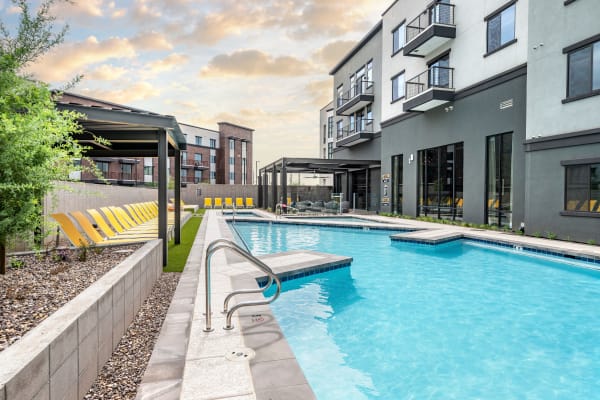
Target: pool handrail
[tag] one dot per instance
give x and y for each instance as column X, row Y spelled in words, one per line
column 228, row 244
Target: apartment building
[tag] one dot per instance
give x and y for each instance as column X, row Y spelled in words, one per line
column 234, row 163
column 562, row 150
column 489, row 113
column 356, row 119
column 326, row 138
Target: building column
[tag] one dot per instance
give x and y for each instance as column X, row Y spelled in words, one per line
column 177, row 168
column 163, row 158
column 259, row 201
column 367, row 188
column 283, row 179
column 274, row 187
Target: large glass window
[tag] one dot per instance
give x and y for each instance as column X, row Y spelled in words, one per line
column 398, row 36
column 398, row 87
column 340, row 128
column 441, row 182
column 330, row 127
column 213, row 143
column 501, row 28
column 584, row 70
column 340, row 95
column 199, row 140
column 126, row 172
column 231, row 144
column 197, row 176
column 583, row 188
column 370, row 73
column 397, row 188
column 439, row 72
column 103, row 167
column 499, row 180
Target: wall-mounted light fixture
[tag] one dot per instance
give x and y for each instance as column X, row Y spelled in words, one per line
column 449, row 108
column 411, row 158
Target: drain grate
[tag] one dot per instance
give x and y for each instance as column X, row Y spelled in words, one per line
column 241, row 354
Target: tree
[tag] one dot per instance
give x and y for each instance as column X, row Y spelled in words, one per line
column 37, row 144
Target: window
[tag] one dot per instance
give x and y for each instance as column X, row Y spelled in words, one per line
column 213, row 143
column 398, row 36
column 199, row 140
column 370, row 73
column 103, row 167
column 184, row 158
column 501, row 28
column 148, row 170
column 213, row 175
column 340, row 95
column 126, row 172
column 197, row 176
column 398, row 87
column 397, row 187
column 330, row 150
column 351, row 125
column 584, row 70
column 439, row 72
column 231, row 144
column 197, row 157
column 339, row 128
column 231, row 160
column 583, row 187
column 231, row 178
column 330, row 127
column 213, row 159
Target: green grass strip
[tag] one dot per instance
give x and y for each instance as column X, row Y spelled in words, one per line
column 178, row 254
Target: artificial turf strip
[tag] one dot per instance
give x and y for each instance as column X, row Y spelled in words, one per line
column 178, row 255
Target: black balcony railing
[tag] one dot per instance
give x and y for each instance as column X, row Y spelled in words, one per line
column 439, row 13
column 357, row 89
column 201, row 164
column 361, row 125
column 434, row 77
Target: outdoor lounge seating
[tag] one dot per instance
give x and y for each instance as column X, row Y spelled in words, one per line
column 239, row 202
column 228, row 202
column 208, row 202
column 218, row 202
column 249, row 202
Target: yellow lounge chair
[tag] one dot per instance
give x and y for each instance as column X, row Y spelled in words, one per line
column 218, row 202
column 133, row 214
column 77, row 239
column 239, row 202
column 289, row 201
column 93, row 234
column 208, row 202
column 249, row 202
column 228, row 202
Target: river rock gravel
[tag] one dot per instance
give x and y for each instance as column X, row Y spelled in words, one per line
column 123, row 372
column 36, row 285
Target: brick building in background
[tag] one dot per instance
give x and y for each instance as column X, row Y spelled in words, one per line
column 221, row 156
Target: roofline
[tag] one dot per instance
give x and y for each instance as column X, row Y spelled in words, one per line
column 390, row 7
column 328, row 106
column 358, row 46
column 106, row 102
column 196, row 126
column 237, row 126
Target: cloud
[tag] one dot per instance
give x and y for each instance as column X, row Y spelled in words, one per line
column 333, row 52
column 64, row 62
column 106, row 72
column 254, row 63
column 151, row 41
column 319, row 92
column 75, row 8
column 169, row 63
column 125, row 95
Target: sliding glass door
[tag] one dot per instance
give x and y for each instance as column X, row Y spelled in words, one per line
column 397, row 170
column 499, row 180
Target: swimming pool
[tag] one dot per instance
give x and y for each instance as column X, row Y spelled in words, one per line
column 330, row 219
column 459, row 320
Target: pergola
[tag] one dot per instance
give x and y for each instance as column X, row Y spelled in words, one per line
column 295, row 165
column 136, row 133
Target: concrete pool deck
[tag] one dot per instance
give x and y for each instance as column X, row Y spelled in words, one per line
column 254, row 361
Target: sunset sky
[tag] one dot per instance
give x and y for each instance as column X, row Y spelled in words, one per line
column 261, row 64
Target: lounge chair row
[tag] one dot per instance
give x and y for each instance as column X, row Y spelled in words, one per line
column 218, row 202
column 111, row 225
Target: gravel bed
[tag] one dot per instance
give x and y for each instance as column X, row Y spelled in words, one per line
column 121, row 375
column 35, row 286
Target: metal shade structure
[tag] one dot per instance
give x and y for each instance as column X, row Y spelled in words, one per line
column 136, row 133
column 295, row 165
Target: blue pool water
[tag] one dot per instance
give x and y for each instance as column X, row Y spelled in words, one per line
column 459, row 320
column 331, row 219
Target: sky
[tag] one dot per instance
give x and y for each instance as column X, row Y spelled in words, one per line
column 263, row 64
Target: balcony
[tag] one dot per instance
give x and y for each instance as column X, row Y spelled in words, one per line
column 429, row 89
column 358, row 97
column 361, row 132
column 201, row 165
column 186, row 163
column 430, row 30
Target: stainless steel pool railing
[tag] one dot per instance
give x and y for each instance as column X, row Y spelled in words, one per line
column 271, row 277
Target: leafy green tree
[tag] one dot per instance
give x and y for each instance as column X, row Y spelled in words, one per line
column 37, row 144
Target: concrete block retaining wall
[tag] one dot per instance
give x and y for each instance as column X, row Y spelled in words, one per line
column 61, row 357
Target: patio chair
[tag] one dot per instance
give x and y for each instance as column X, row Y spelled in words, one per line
column 249, row 202
column 93, row 234
column 239, row 202
column 218, row 202
column 228, row 202
column 208, row 202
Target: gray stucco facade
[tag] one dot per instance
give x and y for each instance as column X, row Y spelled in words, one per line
column 472, row 119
